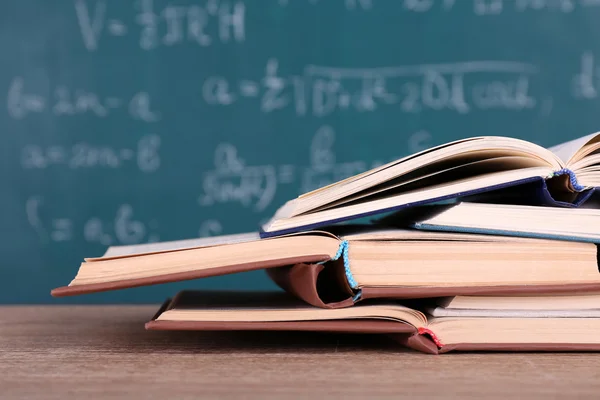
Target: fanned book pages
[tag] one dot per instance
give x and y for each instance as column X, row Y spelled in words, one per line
column 567, row 174
column 360, row 262
column 562, row 326
column 506, row 219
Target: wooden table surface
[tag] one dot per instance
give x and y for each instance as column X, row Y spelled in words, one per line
column 104, row 352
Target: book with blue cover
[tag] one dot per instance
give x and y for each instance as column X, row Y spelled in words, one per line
column 564, row 175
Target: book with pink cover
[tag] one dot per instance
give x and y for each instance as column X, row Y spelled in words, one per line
column 359, row 263
column 547, row 323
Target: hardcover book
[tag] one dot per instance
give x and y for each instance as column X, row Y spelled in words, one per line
column 358, row 263
column 579, row 224
column 544, row 323
column 564, row 175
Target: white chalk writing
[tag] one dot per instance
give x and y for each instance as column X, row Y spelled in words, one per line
column 477, row 7
column 323, row 168
column 497, row 7
column 234, row 181
column 64, row 101
column 348, row 4
column 321, row 91
column 586, row 82
column 215, row 21
column 421, row 6
column 419, row 141
column 85, row 155
column 122, row 228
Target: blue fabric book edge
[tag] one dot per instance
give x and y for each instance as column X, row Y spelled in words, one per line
column 572, row 178
column 343, row 253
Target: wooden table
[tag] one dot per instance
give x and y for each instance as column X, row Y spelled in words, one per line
column 65, row 352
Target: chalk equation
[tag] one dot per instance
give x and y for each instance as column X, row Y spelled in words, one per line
column 320, row 90
column 586, row 82
column 497, row 7
column 204, row 24
column 477, row 7
column 145, row 156
column 323, row 168
column 232, row 181
column 122, row 228
column 62, row 101
column 347, row 4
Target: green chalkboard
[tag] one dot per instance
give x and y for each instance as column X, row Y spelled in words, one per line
column 134, row 121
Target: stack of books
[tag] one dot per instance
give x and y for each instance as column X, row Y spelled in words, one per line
column 487, row 243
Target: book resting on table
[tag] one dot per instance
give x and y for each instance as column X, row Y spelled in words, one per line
column 569, row 324
column 485, row 243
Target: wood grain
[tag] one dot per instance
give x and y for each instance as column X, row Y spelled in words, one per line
column 61, row 352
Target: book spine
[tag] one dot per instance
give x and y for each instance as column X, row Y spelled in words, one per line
column 432, row 335
column 572, row 178
column 343, row 253
column 416, row 341
column 301, row 281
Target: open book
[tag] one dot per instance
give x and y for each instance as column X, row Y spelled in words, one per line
column 360, row 262
column 544, row 323
column 462, row 168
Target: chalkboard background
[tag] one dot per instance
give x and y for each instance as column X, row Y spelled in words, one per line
column 134, row 121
